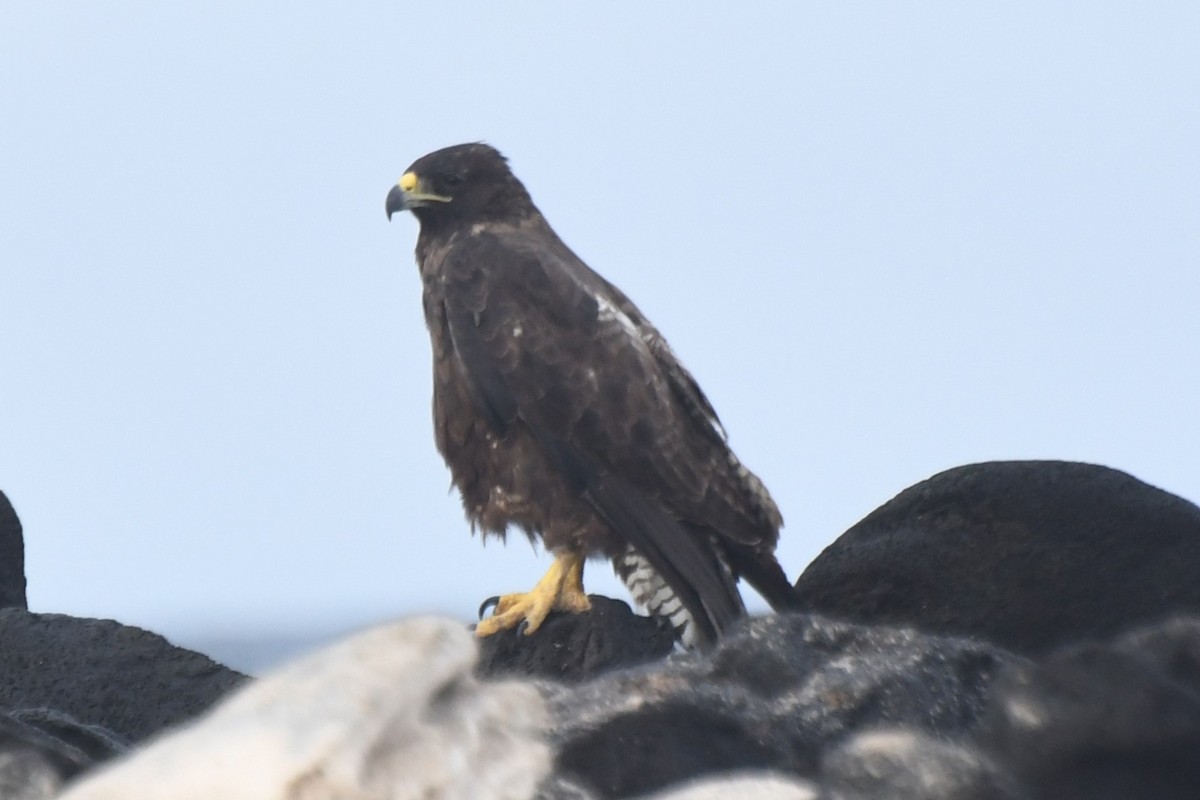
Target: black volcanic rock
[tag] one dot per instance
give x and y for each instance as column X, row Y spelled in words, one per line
column 572, row 647
column 125, row 680
column 75, row 692
column 41, row 749
column 872, row 713
column 795, row 706
column 1027, row 554
column 1104, row 721
column 12, row 557
column 773, row 695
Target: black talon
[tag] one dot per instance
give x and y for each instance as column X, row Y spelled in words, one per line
column 491, row 602
column 524, row 626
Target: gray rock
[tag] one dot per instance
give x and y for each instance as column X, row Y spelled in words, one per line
column 773, row 695
column 1118, row 719
column 12, row 557
column 1030, row 555
column 791, row 707
column 902, row 764
column 125, row 680
column 27, row 774
column 40, row 749
column 389, row 714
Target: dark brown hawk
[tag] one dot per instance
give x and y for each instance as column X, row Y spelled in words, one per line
column 560, row 409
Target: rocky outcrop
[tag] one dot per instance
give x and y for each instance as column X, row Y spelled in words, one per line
column 393, row 712
column 127, row 681
column 793, row 706
column 1098, row 698
column 12, row 557
column 1117, row 719
column 775, row 694
column 75, row 692
column 578, row 646
column 1029, row 555
column 41, row 748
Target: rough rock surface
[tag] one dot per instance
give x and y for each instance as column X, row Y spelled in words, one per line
column 1118, row 719
column 39, row 749
column 125, row 680
column 800, row 707
column 1104, row 721
column 12, row 557
column 573, row 647
column 76, row 692
column 393, row 712
column 788, row 707
column 1027, row 554
column 903, row 764
column 773, row 695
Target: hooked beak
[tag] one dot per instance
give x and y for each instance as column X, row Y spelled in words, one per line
column 409, row 193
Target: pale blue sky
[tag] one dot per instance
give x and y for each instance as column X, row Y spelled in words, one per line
column 888, row 239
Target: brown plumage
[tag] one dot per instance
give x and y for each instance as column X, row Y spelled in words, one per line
column 560, row 409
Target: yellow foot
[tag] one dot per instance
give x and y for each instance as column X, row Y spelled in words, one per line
column 560, row 589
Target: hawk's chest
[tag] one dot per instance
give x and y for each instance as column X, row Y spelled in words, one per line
column 434, row 282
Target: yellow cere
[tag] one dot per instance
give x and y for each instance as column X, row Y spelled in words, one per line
column 408, row 181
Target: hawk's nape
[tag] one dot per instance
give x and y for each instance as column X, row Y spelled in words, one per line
column 561, row 410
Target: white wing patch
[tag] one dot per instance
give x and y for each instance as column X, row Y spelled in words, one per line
column 607, row 312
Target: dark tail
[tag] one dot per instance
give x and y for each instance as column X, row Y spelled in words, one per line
column 684, row 558
column 765, row 574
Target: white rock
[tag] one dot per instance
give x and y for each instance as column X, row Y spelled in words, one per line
column 901, row 762
column 389, row 714
column 744, row 786
column 27, row 776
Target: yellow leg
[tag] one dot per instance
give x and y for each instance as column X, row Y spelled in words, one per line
column 560, row 589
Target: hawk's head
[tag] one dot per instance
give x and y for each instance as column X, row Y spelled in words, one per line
column 464, row 183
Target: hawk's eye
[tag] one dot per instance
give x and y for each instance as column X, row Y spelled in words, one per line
column 454, row 180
